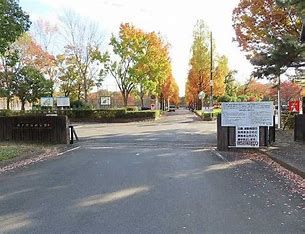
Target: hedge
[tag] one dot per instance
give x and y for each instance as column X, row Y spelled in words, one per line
column 101, row 115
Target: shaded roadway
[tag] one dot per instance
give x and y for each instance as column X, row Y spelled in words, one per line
column 148, row 177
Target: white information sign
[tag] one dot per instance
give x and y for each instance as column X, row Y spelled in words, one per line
column 247, row 114
column 247, row 137
column 46, row 101
column 105, row 101
column 63, row 101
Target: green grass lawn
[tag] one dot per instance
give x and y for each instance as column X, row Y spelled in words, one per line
column 216, row 111
column 10, row 151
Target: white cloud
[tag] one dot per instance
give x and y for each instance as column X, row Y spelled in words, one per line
column 173, row 19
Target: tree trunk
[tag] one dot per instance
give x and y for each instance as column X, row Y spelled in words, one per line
column 125, row 98
column 142, row 101
column 22, row 105
column 8, row 101
column 85, row 90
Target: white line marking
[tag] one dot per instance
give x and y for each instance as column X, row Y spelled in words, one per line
column 220, row 156
column 99, row 147
column 67, row 151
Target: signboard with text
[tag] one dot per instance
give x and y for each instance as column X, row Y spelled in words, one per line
column 63, row 101
column 247, row 137
column 294, row 106
column 105, row 101
column 247, row 114
column 46, row 101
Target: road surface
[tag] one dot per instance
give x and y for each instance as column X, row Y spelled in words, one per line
column 148, row 177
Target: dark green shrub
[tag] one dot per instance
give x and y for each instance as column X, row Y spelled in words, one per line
column 79, row 104
column 132, row 108
column 140, row 114
column 5, row 113
column 288, row 120
column 225, row 98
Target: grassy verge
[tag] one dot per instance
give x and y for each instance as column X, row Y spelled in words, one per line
column 207, row 115
column 12, row 152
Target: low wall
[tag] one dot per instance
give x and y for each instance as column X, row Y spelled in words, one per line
column 35, row 129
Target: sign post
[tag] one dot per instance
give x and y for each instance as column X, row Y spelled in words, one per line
column 63, row 102
column 201, row 96
column 247, row 117
column 46, row 101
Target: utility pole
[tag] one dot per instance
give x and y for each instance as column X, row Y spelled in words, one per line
column 279, row 108
column 211, row 74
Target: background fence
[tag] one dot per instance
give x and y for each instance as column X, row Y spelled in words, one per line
column 35, row 129
column 299, row 128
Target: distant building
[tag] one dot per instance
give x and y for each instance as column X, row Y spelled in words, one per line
column 15, row 104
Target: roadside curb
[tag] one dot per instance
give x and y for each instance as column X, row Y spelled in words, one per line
column 284, row 164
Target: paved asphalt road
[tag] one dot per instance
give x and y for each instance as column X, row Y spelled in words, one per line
column 162, row 177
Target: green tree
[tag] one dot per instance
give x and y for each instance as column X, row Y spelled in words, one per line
column 128, row 48
column 14, row 22
column 29, row 85
column 9, row 67
column 68, row 75
column 230, row 84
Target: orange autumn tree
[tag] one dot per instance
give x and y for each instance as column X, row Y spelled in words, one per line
column 254, row 90
column 199, row 73
column 31, row 54
column 191, row 89
column 269, row 34
column 170, row 90
column 221, row 72
column 25, row 52
column 200, row 68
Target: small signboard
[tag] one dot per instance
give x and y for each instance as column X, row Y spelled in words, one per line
column 247, row 114
column 247, row 137
column 105, row 101
column 63, row 101
column 294, row 106
column 46, row 101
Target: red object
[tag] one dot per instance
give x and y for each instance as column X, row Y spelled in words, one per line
column 294, row 106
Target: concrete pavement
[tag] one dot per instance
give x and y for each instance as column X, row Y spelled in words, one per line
column 149, row 177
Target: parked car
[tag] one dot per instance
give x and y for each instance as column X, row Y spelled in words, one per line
column 171, row 108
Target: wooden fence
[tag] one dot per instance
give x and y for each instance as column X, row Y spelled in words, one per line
column 226, row 136
column 299, row 128
column 35, row 129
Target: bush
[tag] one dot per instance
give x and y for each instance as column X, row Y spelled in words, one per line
column 141, row 115
column 6, row 113
column 288, row 120
column 79, row 104
column 132, row 108
column 225, row 98
column 242, row 98
column 102, row 115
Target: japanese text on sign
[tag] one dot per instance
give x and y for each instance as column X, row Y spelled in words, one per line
column 247, row 137
column 247, row 114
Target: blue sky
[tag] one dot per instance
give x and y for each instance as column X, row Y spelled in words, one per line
column 174, row 20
